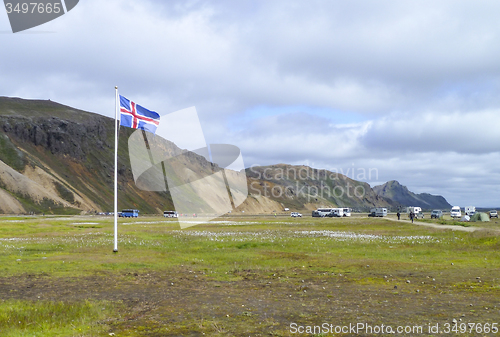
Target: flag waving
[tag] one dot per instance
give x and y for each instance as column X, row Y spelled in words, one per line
column 137, row 117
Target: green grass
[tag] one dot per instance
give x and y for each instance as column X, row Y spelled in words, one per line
column 450, row 222
column 10, row 155
column 366, row 252
column 85, row 245
column 46, row 318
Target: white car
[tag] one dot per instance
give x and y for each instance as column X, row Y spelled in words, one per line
column 296, row 215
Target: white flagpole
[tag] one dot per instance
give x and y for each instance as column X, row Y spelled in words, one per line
column 116, row 172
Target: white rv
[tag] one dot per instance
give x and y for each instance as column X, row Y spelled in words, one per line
column 332, row 212
column 170, row 214
column 378, row 212
column 470, row 210
column 456, row 212
column 347, row 212
column 324, row 211
column 337, row 212
column 414, row 210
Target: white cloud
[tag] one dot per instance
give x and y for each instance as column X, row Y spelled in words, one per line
column 470, row 132
column 416, row 82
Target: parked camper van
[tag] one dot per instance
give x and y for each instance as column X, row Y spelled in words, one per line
column 336, row 213
column 378, row 212
column 347, row 212
column 456, row 212
column 170, row 214
column 417, row 211
column 470, row 210
column 381, row 212
column 413, row 209
column 324, row 211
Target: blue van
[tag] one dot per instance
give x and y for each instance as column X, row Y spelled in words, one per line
column 129, row 213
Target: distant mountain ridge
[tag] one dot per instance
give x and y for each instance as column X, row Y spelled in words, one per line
column 301, row 187
column 395, row 191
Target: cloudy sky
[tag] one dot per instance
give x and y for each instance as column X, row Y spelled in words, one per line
column 407, row 89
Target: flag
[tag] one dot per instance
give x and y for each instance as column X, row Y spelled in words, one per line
column 137, row 117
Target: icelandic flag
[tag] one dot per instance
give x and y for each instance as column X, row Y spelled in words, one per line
column 137, row 117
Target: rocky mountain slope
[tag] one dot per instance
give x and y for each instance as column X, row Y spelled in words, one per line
column 57, row 159
column 399, row 193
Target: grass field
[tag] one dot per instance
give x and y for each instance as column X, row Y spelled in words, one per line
column 245, row 276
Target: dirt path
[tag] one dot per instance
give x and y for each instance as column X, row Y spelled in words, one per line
column 435, row 225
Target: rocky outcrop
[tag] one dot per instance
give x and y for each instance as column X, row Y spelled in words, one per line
column 399, row 193
column 58, row 136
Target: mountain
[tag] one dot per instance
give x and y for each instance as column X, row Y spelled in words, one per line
column 303, row 187
column 395, row 191
column 58, row 159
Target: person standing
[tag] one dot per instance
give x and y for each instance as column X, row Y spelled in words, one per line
column 399, row 215
column 412, row 216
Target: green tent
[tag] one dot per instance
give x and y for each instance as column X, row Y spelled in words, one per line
column 480, row 216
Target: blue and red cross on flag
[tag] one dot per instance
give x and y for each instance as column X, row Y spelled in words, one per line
column 134, row 116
